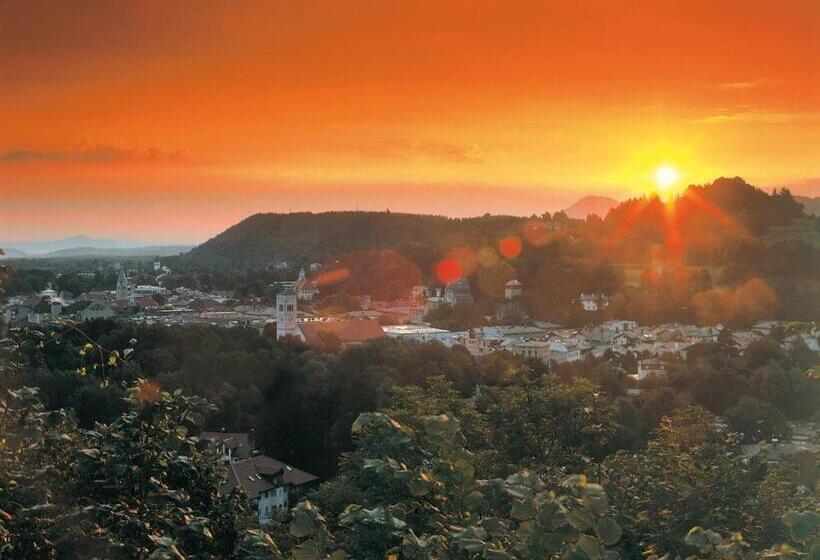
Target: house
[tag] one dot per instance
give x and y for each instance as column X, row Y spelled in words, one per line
column 96, row 310
column 271, row 486
column 650, row 367
column 593, row 302
column 304, row 288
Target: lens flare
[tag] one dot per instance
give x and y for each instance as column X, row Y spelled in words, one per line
column 510, row 247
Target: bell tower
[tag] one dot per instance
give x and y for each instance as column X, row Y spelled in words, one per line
column 286, row 323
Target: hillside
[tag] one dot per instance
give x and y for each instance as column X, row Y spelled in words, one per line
column 703, row 221
column 264, row 239
column 597, row 205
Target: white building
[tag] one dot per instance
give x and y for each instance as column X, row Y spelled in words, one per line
column 96, row 310
column 513, row 289
column 123, row 289
column 287, row 324
column 564, row 351
column 593, row 302
column 650, row 367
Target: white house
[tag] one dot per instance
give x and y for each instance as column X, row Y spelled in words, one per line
column 271, row 486
column 96, row 310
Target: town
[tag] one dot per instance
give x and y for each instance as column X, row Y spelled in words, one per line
column 295, row 314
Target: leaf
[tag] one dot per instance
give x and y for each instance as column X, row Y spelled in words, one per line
column 609, row 531
column 590, row 546
column 302, row 525
column 801, row 525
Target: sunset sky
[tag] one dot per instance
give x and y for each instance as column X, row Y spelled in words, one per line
column 169, row 121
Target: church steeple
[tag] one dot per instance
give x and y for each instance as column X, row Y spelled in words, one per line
column 123, row 289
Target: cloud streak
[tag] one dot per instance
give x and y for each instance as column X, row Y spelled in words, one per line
column 744, row 85
column 99, row 154
column 758, row 117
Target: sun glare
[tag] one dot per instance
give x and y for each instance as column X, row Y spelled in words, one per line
column 666, row 181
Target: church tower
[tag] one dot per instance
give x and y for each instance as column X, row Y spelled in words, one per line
column 286, row 324
column 123, row 290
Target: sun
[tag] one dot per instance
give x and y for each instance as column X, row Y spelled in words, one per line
column 666, row 182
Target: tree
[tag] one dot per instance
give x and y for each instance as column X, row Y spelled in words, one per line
column 691, row 473
column 137, row 487
column 756, row 421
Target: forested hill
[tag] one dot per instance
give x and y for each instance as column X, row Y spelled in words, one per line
column 263, row 239
column 708, row 218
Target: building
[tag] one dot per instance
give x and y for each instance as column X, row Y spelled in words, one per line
column 96, row 310
column 420, row 333
column 649, row 367
column 287, row 324
column 564, row 351
column 477, row 345
column 346, row 333
column 593, row 302
column 513, row 289
column 458, row 292
column 534, row 349
column 304, row 288
column 321, row 333
column 272, row 487
column 123, row 289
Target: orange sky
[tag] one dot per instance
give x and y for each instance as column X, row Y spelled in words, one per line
column 168, row 121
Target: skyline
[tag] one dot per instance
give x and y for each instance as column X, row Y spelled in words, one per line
column 151, row 121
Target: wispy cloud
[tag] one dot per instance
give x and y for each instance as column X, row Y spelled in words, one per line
column 447, row 151
column 744, row 85
column 88, row 154
column 757, row 116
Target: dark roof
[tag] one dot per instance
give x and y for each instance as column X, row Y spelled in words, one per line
column 347, row 332
column 253, row 475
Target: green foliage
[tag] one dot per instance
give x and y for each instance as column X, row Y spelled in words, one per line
column 135, row 488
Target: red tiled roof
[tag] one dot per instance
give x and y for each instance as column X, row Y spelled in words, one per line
column 346, row 331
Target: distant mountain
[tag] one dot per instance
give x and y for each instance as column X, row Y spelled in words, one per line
column 598, row 205
column 41, row 247
column 13, row 254
column 811, row 204
column 148, row 251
